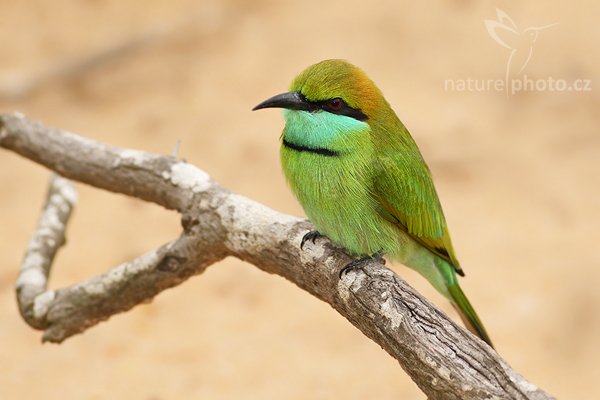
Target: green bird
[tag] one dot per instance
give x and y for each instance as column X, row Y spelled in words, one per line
column 362, row 180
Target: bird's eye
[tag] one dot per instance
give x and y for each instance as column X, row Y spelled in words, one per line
column 335, row 104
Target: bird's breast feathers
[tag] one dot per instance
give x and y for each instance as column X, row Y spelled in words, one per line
column 330, row 172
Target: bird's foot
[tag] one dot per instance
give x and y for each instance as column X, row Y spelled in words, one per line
column 362, row 262
column 312, row 236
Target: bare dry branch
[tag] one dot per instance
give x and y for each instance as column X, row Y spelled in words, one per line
column 49, row 236
column 446, row 361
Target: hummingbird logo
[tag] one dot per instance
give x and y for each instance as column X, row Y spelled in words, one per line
column 520, row 42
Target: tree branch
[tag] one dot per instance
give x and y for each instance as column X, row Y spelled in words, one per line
column 49, row 236
column 446, row 361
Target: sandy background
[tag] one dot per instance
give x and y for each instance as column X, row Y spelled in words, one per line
column 518, row 177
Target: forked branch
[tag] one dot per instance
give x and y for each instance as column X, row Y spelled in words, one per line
column 446, row 361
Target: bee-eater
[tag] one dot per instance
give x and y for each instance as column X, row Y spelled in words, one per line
column 361, row 178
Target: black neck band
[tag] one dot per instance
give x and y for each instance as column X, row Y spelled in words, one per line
column 315, row 150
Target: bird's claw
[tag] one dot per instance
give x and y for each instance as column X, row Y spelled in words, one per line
column 362, row 262
column 312, row 236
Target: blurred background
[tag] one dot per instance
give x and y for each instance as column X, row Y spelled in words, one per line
column 517, row 174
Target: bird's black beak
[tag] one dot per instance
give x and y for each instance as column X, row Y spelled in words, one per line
column 289, row 100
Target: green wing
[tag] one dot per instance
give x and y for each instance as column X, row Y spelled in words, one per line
column 405, row 192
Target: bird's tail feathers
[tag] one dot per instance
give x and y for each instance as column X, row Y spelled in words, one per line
column 467, row 313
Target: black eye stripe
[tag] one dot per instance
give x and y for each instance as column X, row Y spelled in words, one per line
column 344, row 110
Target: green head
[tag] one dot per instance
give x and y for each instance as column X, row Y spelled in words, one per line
column 327, row 101
column 333, row 86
